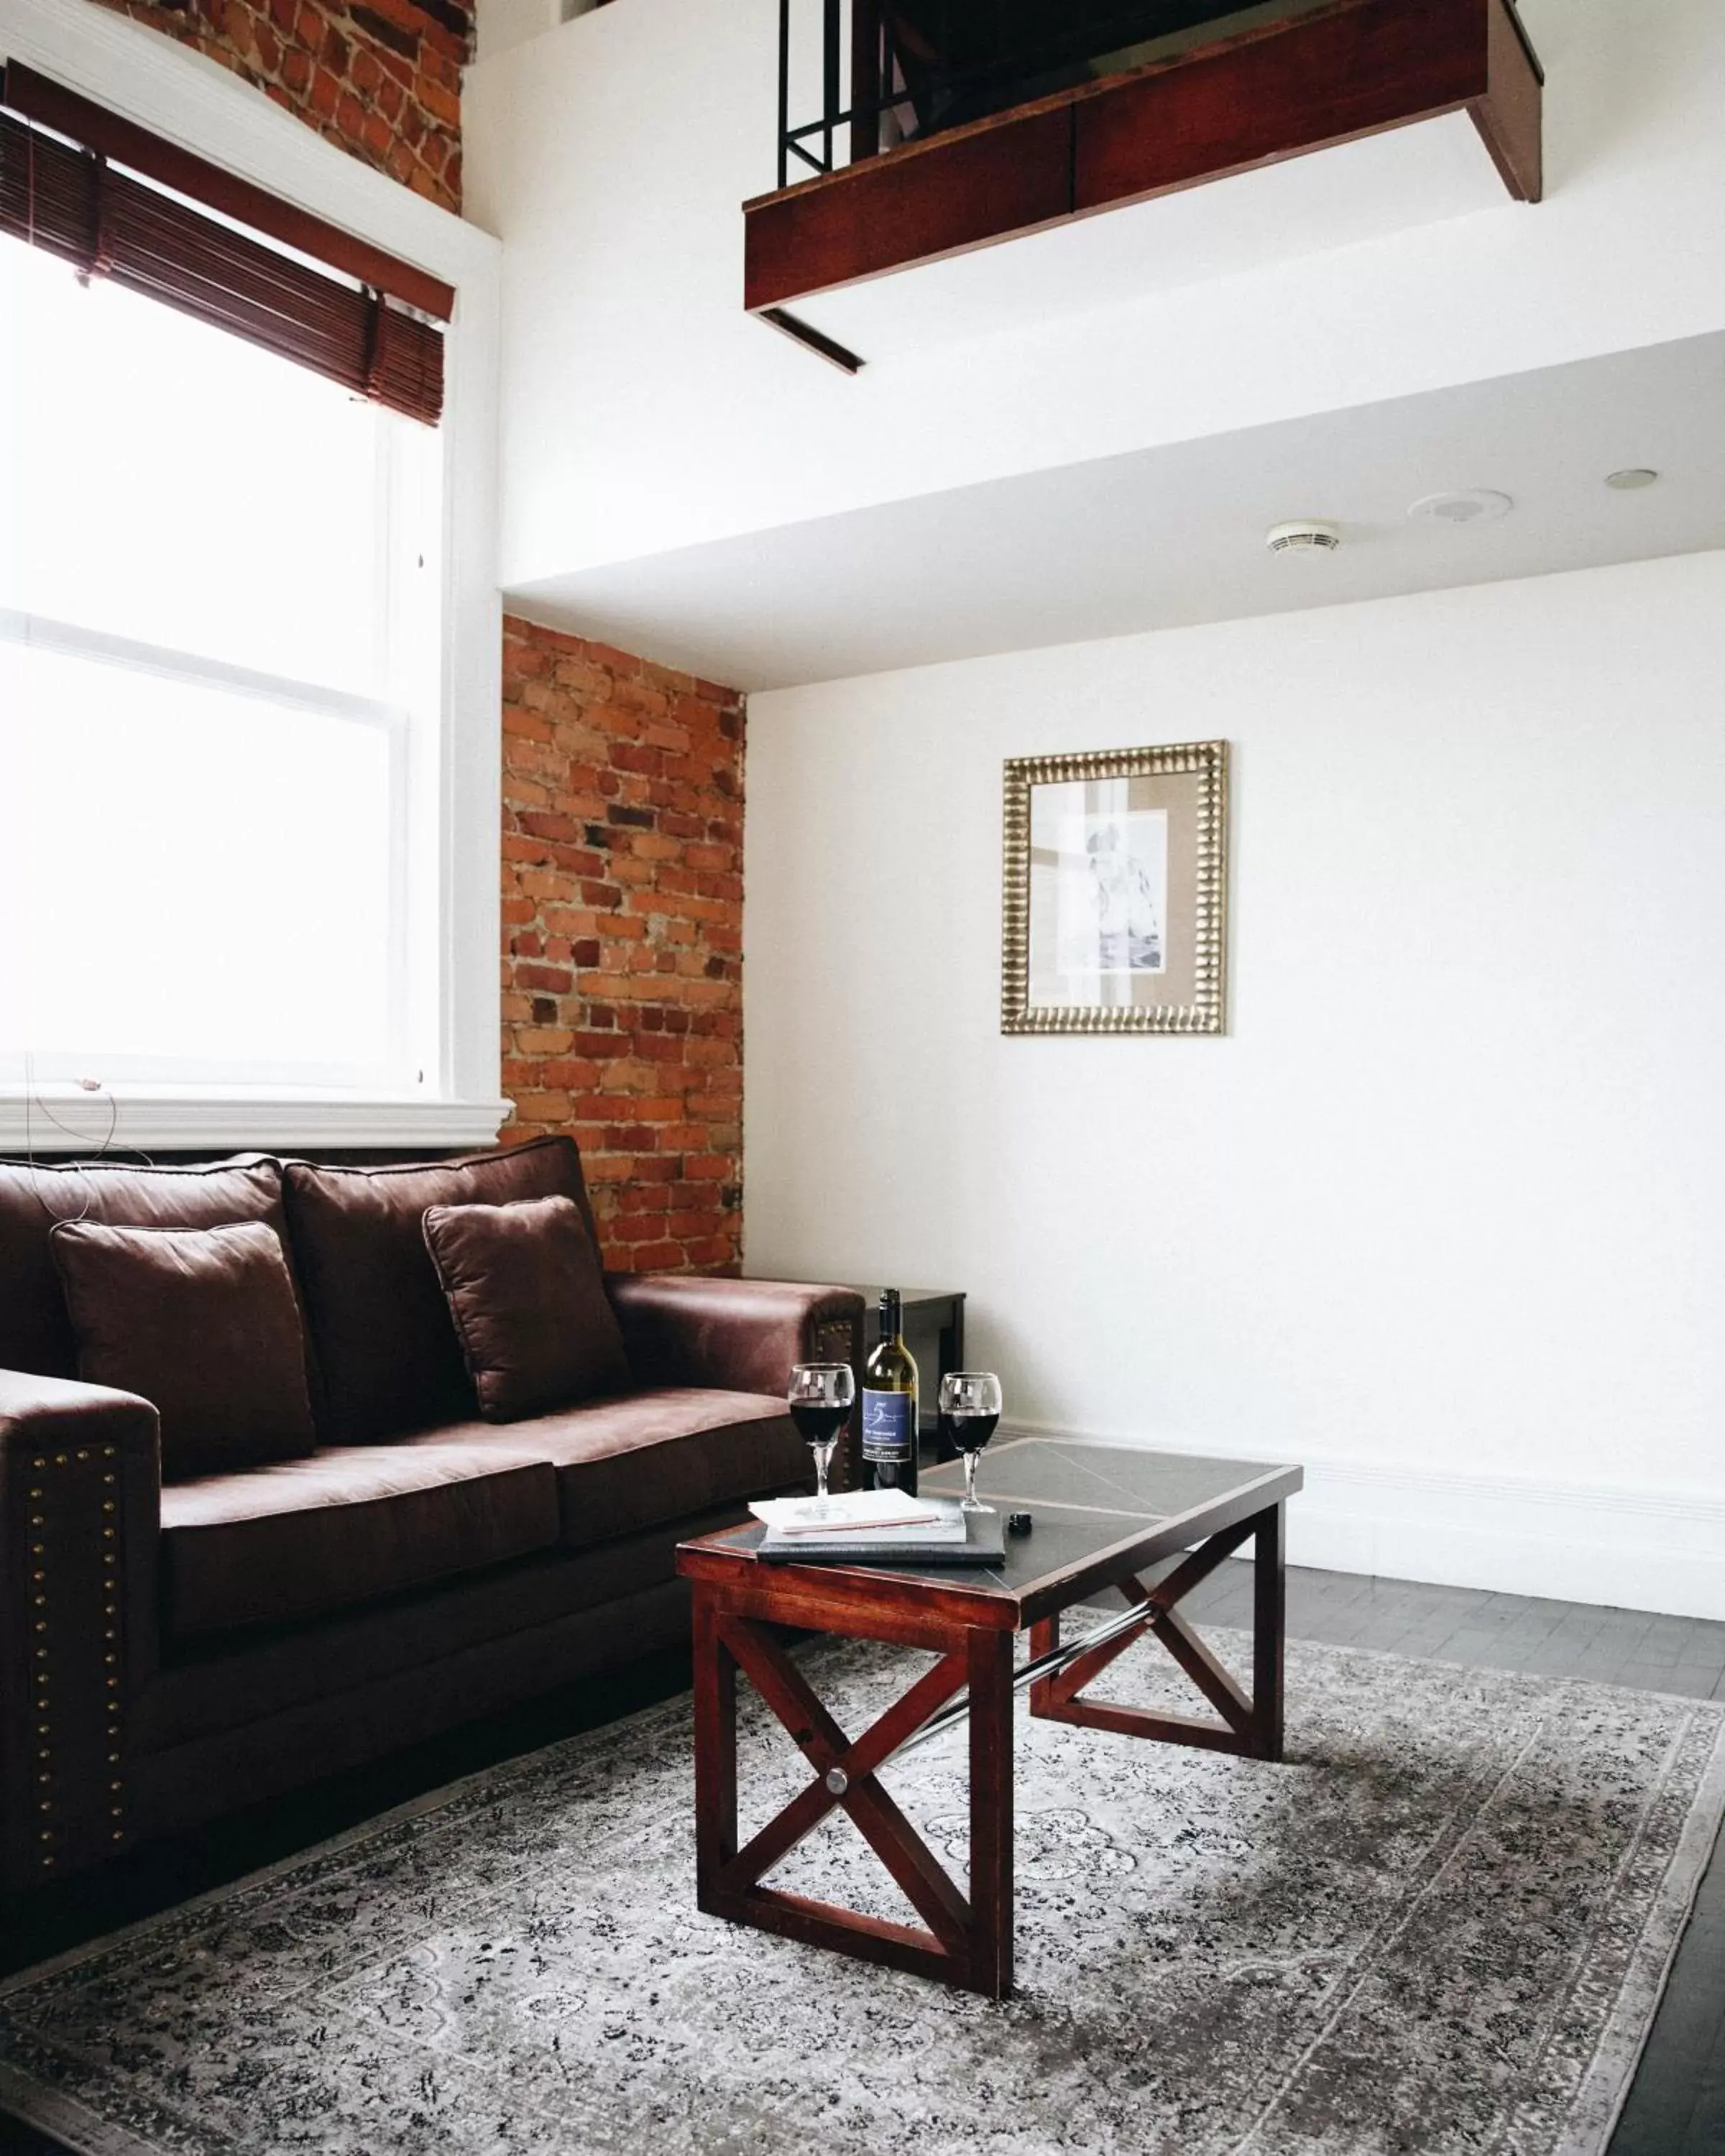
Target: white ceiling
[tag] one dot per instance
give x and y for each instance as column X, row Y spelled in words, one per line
column 1275, row 213
column 1175, row 535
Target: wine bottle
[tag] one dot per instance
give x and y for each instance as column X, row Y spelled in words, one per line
column 889, row 1424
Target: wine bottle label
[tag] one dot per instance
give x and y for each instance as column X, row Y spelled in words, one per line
column 887, row 1432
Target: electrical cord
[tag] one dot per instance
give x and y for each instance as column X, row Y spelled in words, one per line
column 34, row 1104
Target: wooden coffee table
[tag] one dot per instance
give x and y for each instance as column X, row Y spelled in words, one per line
column 1149, row 1525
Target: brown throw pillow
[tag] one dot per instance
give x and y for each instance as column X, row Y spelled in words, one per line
column 387, row 1359
column 203, row 1324
column 528, row 1303
column 35, row 1332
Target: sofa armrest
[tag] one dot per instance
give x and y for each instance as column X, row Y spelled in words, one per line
column 80, row 1513
column 742, row 1335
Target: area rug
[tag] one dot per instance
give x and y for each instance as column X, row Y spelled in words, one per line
column 1442, row 1926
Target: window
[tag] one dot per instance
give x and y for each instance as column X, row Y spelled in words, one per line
column 219, row 636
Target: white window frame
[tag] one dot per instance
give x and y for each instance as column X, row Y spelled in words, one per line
column 449, row 858
column 409, row 913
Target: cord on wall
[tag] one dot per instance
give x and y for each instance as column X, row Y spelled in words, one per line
column 35, row 1104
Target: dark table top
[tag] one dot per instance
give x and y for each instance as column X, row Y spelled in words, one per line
column 910, row 1297
column 1098, row 1510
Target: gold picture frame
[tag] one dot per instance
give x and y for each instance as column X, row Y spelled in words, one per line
column 1115, row 912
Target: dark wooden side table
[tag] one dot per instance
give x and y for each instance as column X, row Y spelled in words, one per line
column 934, row 1333
column 1103, row 1518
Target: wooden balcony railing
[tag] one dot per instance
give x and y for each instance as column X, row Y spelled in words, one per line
column 948, row 125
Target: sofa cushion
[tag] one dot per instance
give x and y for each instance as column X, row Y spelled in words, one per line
column 529, row 1305
column 627, row 1463
column 306, row 1536
column 386, row 1351
column 200, row 1321
column 35, row 1332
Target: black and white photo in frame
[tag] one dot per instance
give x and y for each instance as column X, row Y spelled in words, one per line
column 1115, row 915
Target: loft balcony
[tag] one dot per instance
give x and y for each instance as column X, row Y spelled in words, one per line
column 915, row 132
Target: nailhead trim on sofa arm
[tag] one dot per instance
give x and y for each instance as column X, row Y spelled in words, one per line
column 80, row 1523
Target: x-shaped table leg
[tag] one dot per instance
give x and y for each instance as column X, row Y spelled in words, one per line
column 967, row 1942
column 1252, row 1726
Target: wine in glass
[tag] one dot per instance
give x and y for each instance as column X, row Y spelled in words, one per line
column 821, row 1396
column 969, row 1413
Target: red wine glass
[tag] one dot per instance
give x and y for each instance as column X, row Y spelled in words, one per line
column 969, row 1414
column 820, row 1396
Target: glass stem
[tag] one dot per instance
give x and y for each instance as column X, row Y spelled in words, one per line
column 970, row 1461
column 823, row 1456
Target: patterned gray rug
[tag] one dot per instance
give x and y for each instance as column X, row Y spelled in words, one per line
column 1442, row 1927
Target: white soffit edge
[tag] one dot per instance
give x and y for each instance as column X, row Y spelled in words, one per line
column 1422, row 174
column 1166, row 537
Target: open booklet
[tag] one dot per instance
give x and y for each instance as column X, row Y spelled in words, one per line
column 854, row 1514
column 951, row 1536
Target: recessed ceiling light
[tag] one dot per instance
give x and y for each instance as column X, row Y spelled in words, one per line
column 1637, row 475
column 1305, row 535
column 1471, row 505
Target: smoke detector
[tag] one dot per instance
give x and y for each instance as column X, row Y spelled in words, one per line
column 1305, row 535
column 1632, row 480
column 1471, row 505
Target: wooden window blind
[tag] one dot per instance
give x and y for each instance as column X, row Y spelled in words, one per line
column 68, row 197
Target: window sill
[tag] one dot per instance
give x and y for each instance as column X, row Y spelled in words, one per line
column 65, row 1120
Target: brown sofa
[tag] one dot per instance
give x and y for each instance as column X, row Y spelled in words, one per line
column 168, row 1653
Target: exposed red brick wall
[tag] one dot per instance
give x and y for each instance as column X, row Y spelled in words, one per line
column 381, row 78
column 623, row 938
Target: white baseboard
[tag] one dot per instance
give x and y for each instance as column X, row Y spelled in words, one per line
column 1623, row 1548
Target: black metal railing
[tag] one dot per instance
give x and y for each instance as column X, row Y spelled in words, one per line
column 892, row 72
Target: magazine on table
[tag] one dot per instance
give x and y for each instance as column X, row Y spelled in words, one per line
column 944, row 1534
column 852, row 1512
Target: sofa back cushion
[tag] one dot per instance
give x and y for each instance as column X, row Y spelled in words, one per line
column 35, row 1332
column 385, row 1347
column 203, row 1324
column 529, row 1305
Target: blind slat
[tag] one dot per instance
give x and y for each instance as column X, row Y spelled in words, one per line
column 47, row 104
column 75, row 206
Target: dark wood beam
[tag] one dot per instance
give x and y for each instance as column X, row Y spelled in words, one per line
column 1509, row 114
column 1357, row 68
column 812, row 340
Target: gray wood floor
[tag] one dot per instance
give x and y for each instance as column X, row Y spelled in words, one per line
column 1677, row 2106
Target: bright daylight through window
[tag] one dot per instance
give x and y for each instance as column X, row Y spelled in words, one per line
column 218, row 638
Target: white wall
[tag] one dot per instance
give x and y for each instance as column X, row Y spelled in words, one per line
column 645, row 411
column 1445, row 1212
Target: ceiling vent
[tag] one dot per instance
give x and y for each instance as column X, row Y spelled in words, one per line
column 1306, row 535
column 1472, row 505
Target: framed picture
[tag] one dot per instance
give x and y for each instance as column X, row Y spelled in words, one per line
column 1116, row 912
